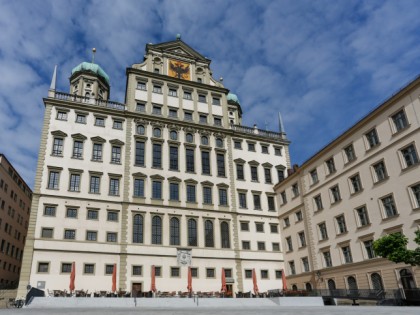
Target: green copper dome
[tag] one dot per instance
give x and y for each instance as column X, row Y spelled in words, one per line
column 93, row 67
column 233, row 98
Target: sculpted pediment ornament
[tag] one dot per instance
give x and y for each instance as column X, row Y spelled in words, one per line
column 141, row 121
column 157, row 124
column 174, row 127
column 59, row 133
column 204, row 132
column 219, row 135
column 189, row 129
column 78, row 136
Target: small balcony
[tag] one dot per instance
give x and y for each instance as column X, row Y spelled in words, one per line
column 260, row 132
column 88, row 100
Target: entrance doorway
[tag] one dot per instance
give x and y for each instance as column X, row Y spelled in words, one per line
column 136, row 289
column 229, row 291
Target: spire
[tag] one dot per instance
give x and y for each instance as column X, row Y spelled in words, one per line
column 281, row 126
column 51, row 91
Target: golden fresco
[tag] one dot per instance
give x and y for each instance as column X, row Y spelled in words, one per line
column 179, row 69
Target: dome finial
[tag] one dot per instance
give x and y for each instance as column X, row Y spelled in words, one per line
column 178, row 36
column 93, row 54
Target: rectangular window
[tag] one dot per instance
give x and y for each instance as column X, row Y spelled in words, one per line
column 157, row 155
column 53, row 180
column 156, row 190
column 58, row 147
column 109, row 269
column 278, row 274
column 305, row 264
column 74, row 182
column 299, row 216
column 276, row 247
column 116, row 155
column 157, row 89
column 66, row 267
column 323, row 233
column 286, row 222
column 202, row 98
column 92, row 214
column 94, row 184
column 254, row 173
column 89, row 269
column 380, row 171
column 117, row 124
column 389, row 207
column 71, row 212
column 240, row 171
column 335, row 193
column 97, row 152
column 188, row 116
column 194, row 272
column 277, row 151
column 244, row 226
column 257, row 201
column 264, row 149
column 157, row 110
column 363, row 216
column 261, row 245
column 217, row 121
column 210, row 273
column 100, row 121
column 42, row 267
column 69, row 234
column 246, row 245
column 138, row 187
column 372, row 138
column 137, row 270
column 112, row 216
column 295, row 190
column 61, row 115
column 267, row 174
column 223, row 197
column 228, row 272
column 220, row 165
column 207, row 195
column 203, row 119
column 302, row 239
column 190, row 160
column 314, row 176
column 327, row 259
column 216, row 101
column 187, row 95
column 205, row 162
column 330, row 165
column 347, row 254
column 175, row 272
column 251, row 146
column 349, row 153
column 47, row 233
column 91, row 236
column 173, row 113
column 409, row 155
column 172, row 92
column 77, row 149
column 174, row 191
column 114, row 186
column 318, row 203
column 141, row 107
column 141, row 86
column 416, row 194
column 49, row 211
column 271, row 204
column 173, row 158
column 283, row 197
column 274, row 228
column 111, row 237
column 242, row 200
column 259, row 226
column 400, row 120
column 191, row 193
column 341, row 224
column 292, row 267
column 356, row 184
column 140, row 153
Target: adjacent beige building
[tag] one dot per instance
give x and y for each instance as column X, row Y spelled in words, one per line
column 361, row 186
column 15, row 206
column 170, row 178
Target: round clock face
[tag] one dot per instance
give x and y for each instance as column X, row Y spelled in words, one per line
column 179, row 69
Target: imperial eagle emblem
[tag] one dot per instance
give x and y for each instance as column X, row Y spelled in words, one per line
column 179, row 70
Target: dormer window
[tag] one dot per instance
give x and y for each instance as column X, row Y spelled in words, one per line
column 156, row 70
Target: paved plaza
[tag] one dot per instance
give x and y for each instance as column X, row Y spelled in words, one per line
column 326, row 310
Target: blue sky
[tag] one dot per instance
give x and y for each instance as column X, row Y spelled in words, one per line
column 322, row 64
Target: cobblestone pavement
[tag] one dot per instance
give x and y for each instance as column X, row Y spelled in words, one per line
column 327, row 310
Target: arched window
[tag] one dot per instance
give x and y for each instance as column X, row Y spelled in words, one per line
column 407, row 279
column 352, row 283
column 192, row 232
column 157, row 132
column 87, row 94
column 308, row 286
column 224, row 230
column 138, row 228
column 331, row 284
column 156, row 230
column 219, row 143
column 174, row 238
column 209, row 234
column 204, row 140
column 294, row 287
column 189, row 138
column 173, row 135
column 376, row 281
column 140, row 130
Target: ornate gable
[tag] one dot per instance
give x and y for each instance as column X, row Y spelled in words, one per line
column 178, row 48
